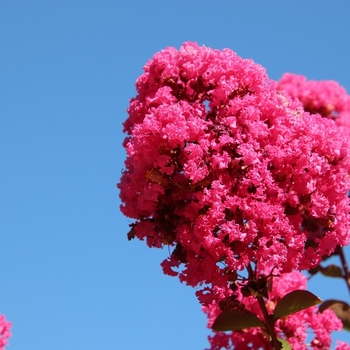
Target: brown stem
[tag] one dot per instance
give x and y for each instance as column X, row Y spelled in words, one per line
column 340, row 252
column 251, row 272
column 268, row 322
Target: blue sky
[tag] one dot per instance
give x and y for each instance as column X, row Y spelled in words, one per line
column 69, row 278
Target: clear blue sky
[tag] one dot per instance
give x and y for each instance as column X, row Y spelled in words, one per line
column 69, row 277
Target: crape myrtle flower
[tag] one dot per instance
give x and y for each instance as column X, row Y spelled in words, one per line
column 326, row 97
column 304, row 327
column 229, row 171
column 5, row 333
column 342, row 345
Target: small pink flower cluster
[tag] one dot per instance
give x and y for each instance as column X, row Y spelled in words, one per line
column 292, row 328
column 326, row 98
column 341, row 345
column 5, row 333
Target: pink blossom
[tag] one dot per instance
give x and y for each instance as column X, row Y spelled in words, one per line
column 295, row 328
column 233, row 170
column 247, row 340
column 228, row 170
column 342, row 345
column 5, row 333
column 326, row 98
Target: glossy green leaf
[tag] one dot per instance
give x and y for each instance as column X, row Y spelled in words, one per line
column 285, row 344
column 340, row 308
column 331, row 271
column 234, row 320
column 293, row 302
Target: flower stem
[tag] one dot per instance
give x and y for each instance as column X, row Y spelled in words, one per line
column 268, row 321
column 276, row 344
column 346, row 277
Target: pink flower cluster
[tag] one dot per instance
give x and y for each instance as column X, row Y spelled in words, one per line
column 229, row 170
column 234, row 171
column 293, row 328
column 5, row 333
column 326, row 98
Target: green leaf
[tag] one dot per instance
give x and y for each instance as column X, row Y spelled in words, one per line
column 285, row 344
column 293, row 302
column 340, row 308
column 234, row 320
column 328, row 303
column 331, row 271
